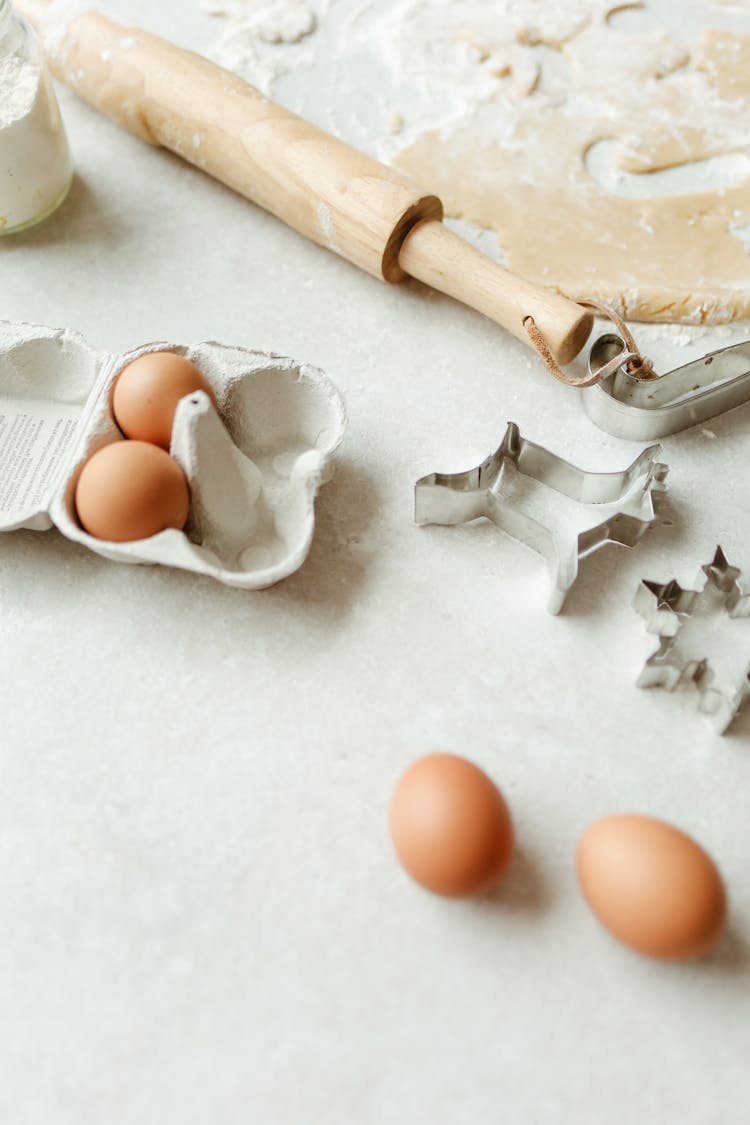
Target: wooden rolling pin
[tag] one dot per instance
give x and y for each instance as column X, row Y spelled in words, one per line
column 331, row 193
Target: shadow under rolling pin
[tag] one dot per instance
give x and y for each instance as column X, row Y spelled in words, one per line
column 340, row 198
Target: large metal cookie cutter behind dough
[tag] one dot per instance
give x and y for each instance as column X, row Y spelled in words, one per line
column 641, row 410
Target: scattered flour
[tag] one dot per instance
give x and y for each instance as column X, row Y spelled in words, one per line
column 254, row 32
column 58, row 17
column 664, row 119
column 271, row 21
column 610, row 157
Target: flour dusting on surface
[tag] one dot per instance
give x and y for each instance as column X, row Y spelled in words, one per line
column 606, row 145
column 271, row 21
column 262, row 39
column 58, row 17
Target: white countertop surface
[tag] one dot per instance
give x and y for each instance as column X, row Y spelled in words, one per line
column 203, row 919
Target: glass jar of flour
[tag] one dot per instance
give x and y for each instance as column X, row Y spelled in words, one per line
column 35, row 164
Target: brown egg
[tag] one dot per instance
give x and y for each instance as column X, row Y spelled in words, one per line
column 131, row 490
column 147, row 391
column 652, row 886
column 451, row 826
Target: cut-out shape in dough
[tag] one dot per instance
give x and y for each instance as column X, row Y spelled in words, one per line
column 713, row 174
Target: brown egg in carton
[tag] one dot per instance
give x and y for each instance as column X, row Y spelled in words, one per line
column 253, row 468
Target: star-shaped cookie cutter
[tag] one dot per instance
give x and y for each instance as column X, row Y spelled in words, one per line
column 630, row 495
column 664, row 608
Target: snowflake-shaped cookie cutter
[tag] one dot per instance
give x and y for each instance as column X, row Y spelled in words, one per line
column 621, row 504
column 664, row 608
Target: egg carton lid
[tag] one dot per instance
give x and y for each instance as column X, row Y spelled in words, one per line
column 49, row 378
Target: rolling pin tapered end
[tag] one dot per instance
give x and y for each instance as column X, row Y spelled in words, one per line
column 436, row 255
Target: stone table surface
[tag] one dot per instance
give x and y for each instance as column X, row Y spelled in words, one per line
column 202, row 917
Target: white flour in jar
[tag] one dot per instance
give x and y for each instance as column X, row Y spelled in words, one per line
column 35, row 165
column 19, row 79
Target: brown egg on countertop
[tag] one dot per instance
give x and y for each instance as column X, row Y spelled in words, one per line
column 450, row 826
column 147, row 391
column 652, row 886
column 131, row 490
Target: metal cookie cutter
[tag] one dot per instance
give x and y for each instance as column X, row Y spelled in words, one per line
column 665, row 608
column 642, row 410
column 488, row 491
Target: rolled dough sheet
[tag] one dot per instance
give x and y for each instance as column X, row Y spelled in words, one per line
column 517, row 165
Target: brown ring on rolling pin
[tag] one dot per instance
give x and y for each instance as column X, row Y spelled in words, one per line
column 425, row 209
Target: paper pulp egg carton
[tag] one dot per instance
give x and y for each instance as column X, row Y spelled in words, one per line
column 253, row 473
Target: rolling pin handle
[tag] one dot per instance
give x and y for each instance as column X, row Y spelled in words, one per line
column 434, row 254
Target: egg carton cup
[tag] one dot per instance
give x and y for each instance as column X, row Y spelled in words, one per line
column 253, row 472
